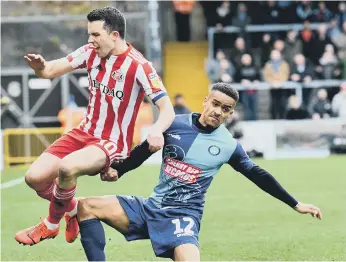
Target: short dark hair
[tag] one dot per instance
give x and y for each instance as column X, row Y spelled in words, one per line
column 113, row 18
column 177, row 96
column 226, row 89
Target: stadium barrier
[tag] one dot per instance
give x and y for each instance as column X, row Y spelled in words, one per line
column 24, row 145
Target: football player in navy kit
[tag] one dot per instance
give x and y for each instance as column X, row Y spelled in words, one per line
column 195, row 148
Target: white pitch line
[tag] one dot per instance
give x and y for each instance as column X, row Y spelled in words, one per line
column 12, row 183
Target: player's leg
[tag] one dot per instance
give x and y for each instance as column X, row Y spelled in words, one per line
column 41, row 176
column 186, row 252
column 87, row 161
column 90, row 212
column 42, row 173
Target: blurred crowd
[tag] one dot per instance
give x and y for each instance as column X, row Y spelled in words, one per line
column 276, row 57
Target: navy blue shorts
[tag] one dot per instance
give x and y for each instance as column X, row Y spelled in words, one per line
column 166, row 228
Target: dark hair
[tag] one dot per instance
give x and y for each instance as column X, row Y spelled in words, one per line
column 113, row 18
column 177, row 96
column 226, row 89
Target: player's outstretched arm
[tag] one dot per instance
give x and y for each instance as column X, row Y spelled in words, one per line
column 48, row 69
column 241, row 162
column 137, row 157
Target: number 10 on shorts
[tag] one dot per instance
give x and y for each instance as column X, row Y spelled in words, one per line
column 183, row 231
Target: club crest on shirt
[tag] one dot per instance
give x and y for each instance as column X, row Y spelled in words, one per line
column 118, row 76
column 214, row 150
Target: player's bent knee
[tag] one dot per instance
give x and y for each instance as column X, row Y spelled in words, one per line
column 66, row 169
column 85, row 209
column 33, row 180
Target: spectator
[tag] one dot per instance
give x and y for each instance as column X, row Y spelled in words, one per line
column 212, row 65
column 293, row 46
column 320, row 106
column 284, row 4
column 271, row 13
column 328, row 64
column 339, row 102
column 340, row 43
column 182, row 12
column 238, row 50
column 276, row 71
column 333, row 30
column 248, row 75
column 280, row 46
column 319, row 44
column 209, row 11
column 287, row 12
column 295, row 110
column 307, row 38
column 224, row 14
column 226, row 71
column 242, row 19
column 265, row 48
column 322, row 14
column 302, row 71
column 179, row 105
column 220, row 69
column 304, row 10
column 340, row 17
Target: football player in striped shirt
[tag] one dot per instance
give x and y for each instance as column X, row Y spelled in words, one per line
column 119, row 78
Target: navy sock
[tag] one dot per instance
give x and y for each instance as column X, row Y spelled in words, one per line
column 93, row 239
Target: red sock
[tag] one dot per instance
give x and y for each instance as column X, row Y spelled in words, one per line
column 47, row 192
column 59, row 204
column 72, row 205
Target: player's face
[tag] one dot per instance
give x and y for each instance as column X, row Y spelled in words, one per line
column 217, row 108
column 101, row 39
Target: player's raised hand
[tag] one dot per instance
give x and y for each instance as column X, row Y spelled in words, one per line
column 309, row 209
column 110, row 175
column 155, row 140
column 36, row 62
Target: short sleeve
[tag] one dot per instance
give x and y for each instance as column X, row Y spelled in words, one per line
column 79, row 57
column 148, row 79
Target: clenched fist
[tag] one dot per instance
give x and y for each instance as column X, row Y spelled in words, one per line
column 110, row 175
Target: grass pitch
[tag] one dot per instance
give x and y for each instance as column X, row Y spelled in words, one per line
column 240, row 221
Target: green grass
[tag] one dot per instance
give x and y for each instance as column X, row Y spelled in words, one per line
column 240, row 222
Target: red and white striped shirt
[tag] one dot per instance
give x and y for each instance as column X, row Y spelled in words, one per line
column 117, row 87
